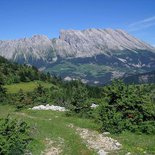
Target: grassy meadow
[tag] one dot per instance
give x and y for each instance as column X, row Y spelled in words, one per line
column 26, row 86
column 54, row 125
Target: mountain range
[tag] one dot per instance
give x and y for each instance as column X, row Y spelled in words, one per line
column 94, row 55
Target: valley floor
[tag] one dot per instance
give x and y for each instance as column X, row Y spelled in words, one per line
column 55, row 133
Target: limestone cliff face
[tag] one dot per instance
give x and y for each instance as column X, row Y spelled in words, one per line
column 73, row 43
column 91, row 42
column 37, row 47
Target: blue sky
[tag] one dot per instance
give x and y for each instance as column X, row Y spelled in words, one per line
column 24, row 18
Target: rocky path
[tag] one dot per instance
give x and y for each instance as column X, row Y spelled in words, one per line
column 101, row 143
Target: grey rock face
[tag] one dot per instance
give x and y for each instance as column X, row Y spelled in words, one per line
column 72, row 43
column 37, row 47
column 91, row 42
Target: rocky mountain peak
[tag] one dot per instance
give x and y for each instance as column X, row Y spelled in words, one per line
column 36, row 46
column 74, row 43
column 85, row 43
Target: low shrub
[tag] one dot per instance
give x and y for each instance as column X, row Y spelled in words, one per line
column 14, row 136
column 127, row 108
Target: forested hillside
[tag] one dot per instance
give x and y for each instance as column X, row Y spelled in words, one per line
column 148, row 77
column 14, row 73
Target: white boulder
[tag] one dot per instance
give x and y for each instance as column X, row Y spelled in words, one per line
column 49, row 107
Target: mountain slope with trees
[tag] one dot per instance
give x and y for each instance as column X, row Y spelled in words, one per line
column 14, row 73
column 148, row 77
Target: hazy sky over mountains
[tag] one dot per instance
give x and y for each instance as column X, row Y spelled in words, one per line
column 24, row 18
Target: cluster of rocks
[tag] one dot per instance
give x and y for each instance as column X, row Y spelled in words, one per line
column 56, row 108
column 94, row 105
column 49, row 107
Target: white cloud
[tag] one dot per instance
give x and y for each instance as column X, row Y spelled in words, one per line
column 142, row 24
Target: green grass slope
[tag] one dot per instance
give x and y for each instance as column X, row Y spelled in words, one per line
column 54, row 125
column 26, row 86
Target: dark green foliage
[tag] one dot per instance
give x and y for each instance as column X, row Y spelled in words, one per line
column 14, row 137
column 127, row 107
column 40, row 90
column 14, row 73
column 79, row 95
column 2, row 93
column 94, row 91
column 76, row 94
column 22, row 100
column 40, row 95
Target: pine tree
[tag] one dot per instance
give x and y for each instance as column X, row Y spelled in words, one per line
column 2, row 93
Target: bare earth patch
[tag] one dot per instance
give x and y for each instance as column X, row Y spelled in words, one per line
column 52, row 147
column 99, row 142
